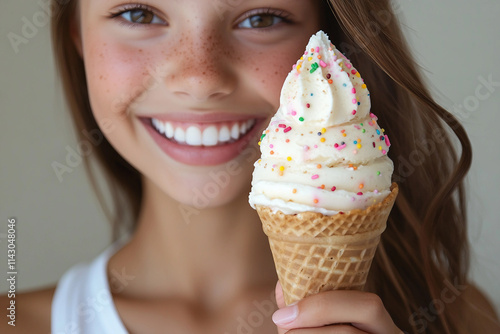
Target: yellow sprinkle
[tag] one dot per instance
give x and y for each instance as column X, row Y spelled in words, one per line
column 363, row 86
column 322, row 140
column 289, row 158
column 282, row 168
column 383, row 130
column 310, row 58
column 258, row 143
column 358, row 75
column 323, row 130
column 344, row 135
column 380, row 148
column 358, row 146
column 302, row 58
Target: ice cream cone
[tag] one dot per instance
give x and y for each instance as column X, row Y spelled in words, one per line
column 314, row 252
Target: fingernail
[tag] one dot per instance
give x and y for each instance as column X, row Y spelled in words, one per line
column 286, row 315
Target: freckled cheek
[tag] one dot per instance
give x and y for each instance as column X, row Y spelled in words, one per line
column 270, row 74
column 115, row 76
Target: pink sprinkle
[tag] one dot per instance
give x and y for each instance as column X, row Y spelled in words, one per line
column 305, row 52
column 384, row 152
column 375, row 191
column 271, row 146
column 334, row 188
column 387, row 142
column 354, row 112
column 287, row 129
column 354, row 90
column 308, row 105
column 356, row 126
column 317, row 49
column 282, row 126
column 322, row 63
column 360, row 194
column 372, row 115
column 348, row 65
column 354, row 101
column 315, row 146
column 294, row 66
column 306, row 148
column 341, row 147
column 294, row 113
column 315, row 176
column 336, row 145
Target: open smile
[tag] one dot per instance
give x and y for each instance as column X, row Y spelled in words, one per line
column 205, row 143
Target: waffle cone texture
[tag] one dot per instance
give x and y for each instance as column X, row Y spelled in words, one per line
column 315, row 253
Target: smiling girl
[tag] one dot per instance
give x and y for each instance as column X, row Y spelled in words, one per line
column 180, row 91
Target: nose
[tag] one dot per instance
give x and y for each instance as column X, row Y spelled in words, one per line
column 200, row 68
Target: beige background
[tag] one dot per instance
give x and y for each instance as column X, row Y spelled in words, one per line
column 60, row 223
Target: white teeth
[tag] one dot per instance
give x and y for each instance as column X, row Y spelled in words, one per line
column 193, row 136
column 235, row 131
column 179, row 135
column 224, row 134
column 210, row 136
column 243, row 128
column 169, row 130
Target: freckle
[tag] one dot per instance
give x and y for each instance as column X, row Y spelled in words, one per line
column 140, row 50
column 256, row 69
column 276, row 72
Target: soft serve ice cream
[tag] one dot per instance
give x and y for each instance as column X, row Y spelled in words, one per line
column 323, row 151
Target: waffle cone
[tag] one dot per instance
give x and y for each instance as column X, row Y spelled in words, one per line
column 314, row 253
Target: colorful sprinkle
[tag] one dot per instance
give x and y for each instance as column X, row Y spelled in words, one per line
column 314, row 67
column 294, row 191
column 282, row 168
column 334, row 188
column 282, row 126
column 294, row 113
column 308, row 105
column 319, row 166
column 322, row 140
column 316, row 201
column 272, row 152
column 378, row 173
column 358, row 146
column 361, row 186
column 387, row 142
column 360, row 193
column 321, row 63
column 287, row 129
column 330, row 81
column 301, row 119
column 315, row 176
column 289, row 158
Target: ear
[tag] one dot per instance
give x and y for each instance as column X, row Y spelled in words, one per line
column 75, row 31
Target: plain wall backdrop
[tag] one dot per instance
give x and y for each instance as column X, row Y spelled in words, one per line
column 61, row 223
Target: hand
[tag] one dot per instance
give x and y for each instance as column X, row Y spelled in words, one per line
column 341, row 311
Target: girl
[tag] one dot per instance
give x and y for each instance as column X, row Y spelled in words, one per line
column 178, row 92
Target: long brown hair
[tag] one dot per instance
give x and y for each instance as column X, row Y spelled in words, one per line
column 424, row 249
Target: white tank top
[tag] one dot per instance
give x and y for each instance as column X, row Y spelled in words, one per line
column 82, row 303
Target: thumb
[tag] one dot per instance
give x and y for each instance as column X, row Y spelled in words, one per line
column 280, row 300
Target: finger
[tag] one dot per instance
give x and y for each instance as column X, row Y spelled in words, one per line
column 363, row 310
column 280, row 300
column 334, row 329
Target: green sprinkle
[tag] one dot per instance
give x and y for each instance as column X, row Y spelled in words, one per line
column 301, row 119
column 363, row 130
column 314, row 67
column 262, row 137
column 378, row 173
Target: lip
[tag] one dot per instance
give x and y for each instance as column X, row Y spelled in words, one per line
column 202, row 155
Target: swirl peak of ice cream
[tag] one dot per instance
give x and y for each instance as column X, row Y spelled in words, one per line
column 323, row 150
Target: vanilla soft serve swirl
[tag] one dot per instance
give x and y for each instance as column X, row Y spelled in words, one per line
column 323, row 151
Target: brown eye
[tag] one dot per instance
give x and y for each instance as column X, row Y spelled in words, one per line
column 260, row 21
column 141, row 16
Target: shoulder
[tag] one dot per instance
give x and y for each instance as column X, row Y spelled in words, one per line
column 480, row 314
column 32, row 311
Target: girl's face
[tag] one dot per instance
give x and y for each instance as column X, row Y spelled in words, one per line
column 183, row 88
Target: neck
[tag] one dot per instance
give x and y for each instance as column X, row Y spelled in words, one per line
column 211, row 254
